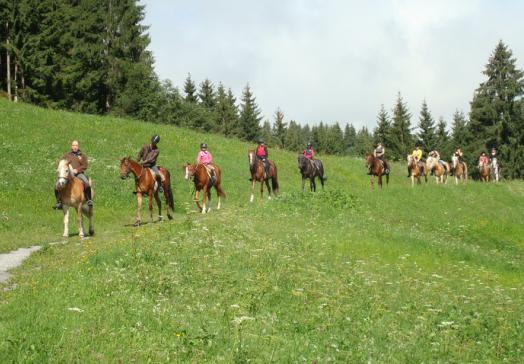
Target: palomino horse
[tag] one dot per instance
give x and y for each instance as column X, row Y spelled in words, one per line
column 311, row 169
column 258, row 174
column 460, row 170
column 376, row 166
column 495, row 168
column 145, row 184
column 71, row 190
column 203, row 182
column 416, row 170
column 439, row 171
column 485, row 172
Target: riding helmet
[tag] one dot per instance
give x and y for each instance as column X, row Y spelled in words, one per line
column 155, row 139
column 260, row 142
column 203, row 146
column 309, row 144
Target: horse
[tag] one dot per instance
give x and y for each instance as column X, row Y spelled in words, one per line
column 416, row 170
column 203, row 182
column 460, row 170
column 311, row 169
column 485, row 172
column 376, row 167
column 258, row 174
column 145, row 183
column 495, row 168
column 440, row 171
column 71, row 190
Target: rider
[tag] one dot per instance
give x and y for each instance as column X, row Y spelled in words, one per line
column 493, row 155
column 417, row 155
column 262, row 154
column 483, row 160
column 205, row 158
column 147, row 157
column 309, row 154
column 79, row 163
column 379, row 154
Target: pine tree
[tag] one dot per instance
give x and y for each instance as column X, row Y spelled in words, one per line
column 249, row 120
column 207, row 94
column 442, row 139
column 459, row 130
column 293, row 137
column 350, row 136
column 279, row 127
column 382, row 132
column 265, row 133
column 401, row 138
column 364, row 142
column 190, row 89
column 495, row 118
column 226, row 112
column 426, row 134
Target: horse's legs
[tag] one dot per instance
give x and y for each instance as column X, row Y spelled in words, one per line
column 303, row 182
column 268, row 188
column 80, row 219
column 372, row 182
column 322, row 182
column 88, row 211
column 204, row 199
column 150, row 203
column 209, row 199
column 138, row 208
column 313, row 184
column 412, row 180
column 159, row 204
column 253, row 182
column 66, row 220
column 380, row 181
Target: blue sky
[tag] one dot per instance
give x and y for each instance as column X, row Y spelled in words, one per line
column 336, row 60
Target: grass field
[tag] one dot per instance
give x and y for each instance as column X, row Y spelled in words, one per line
column 430, row 274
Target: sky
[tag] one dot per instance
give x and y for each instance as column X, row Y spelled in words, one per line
column 336, row 60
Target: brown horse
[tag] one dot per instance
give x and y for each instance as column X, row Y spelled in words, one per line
column 416, row 170
column 376, row 167
column 485, row 172
column 439, row 171
column 204, row 182
column 145, row 184
column 258, row 174
column 71, row 190
column 460, row 170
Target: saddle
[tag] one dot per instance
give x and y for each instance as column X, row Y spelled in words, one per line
column 210, row 170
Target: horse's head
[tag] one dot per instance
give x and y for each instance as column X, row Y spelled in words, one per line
column 431, row 162
column 125, row 167
column 455, row 161
column 251, row 157
column 301, row 162
column 190, row 170
column 369, row 159
column 64, row 172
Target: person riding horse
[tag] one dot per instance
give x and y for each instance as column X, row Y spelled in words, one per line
column 205, row 158
column 262, row 154
column 458, row 153
column 147, row 157
column 309, row 154
column 483, row 160
column 417, row 155
column 78, row 161
column 379, row 153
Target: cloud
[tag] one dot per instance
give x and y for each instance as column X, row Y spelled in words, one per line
column 335, row 60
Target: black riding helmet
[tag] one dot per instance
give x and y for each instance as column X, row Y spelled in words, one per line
column 260, row 142
column 155, row 139
column 203, row 146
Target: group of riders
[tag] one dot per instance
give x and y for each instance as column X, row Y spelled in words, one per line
column 417, row 155
column 147, row 157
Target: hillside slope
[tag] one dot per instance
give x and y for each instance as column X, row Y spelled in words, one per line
column 350, row 275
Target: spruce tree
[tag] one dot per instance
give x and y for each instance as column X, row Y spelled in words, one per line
column 190, row 89
column 401, row 138
column 495, row 118
column 350, row 135
column 442, row 141
column 206, row 94
column 426, row 126
column 226, row 113
column 249, row 120
column 382, row 131
column 363, row 142
column 279, row 127
column 459, row 131
column 293, row 136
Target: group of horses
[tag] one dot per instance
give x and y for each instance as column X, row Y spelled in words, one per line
column 204, row 178
column 440, row 169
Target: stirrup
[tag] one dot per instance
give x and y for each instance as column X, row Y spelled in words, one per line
column 90, row 203
column 58, row 206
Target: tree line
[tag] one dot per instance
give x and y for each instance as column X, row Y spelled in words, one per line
column 91, row 56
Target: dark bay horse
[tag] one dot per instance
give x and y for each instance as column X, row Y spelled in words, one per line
column 203, row 182
column 145, row 185
column 71, row 190
column 311, row 169
column 416, row 170
column 258, row 174
column 376, row 166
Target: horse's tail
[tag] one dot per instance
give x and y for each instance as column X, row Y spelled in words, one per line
column 170, row 199
column 274, row 180
column 465, row 171
column 320, row 167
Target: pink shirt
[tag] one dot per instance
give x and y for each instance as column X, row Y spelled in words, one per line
column 204, row 157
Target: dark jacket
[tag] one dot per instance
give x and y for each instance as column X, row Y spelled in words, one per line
column 77, row 160
column 148, row 155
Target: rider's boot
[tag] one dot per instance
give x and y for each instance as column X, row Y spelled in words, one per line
column 58, row 205
column 89, row 198
column 159, row 181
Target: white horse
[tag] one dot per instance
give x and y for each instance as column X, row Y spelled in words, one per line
column 439, row 171
column 460, row 170
column 495, row 168
column 71, row 191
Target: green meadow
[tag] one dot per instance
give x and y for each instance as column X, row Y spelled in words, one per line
column 403, row 275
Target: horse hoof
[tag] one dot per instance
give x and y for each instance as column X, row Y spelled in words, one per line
column 136, row 224
column 169, row 217
column 91, row 232
column 65, row 235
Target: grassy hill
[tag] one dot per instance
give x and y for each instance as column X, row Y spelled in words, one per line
column 431, row 274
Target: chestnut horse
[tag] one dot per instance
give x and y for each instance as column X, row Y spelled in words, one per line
column 485, row 172
column 258, row 174
column 71, row 190
column 439, row 171
column 311, row 169
column 416, row 170
column 460, row 170
column 376, row 166
column 203, row 182
column 145, row 184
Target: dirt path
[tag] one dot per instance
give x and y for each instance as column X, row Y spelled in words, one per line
column 14, row 259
